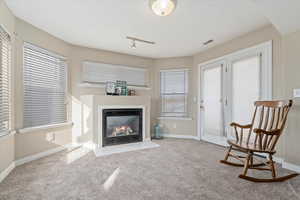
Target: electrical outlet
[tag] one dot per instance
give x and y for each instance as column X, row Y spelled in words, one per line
column 174, row 125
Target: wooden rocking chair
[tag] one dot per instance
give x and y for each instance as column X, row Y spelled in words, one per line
column 272, row 116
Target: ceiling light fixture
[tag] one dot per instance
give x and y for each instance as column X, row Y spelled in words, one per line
column 134, row 40
column 163, row 7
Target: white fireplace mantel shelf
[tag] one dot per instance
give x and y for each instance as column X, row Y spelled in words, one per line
column 102, row 85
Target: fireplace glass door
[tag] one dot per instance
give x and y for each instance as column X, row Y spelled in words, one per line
column 121, row 126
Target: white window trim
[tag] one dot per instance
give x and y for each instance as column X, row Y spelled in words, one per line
column 9, row 131
column 181, row 117
column 55, row 54
column 6, row 134
column 45, row 127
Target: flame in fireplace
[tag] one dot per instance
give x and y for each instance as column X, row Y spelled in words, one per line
column 122, row 130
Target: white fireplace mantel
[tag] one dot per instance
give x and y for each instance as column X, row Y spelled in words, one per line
column 92, row 114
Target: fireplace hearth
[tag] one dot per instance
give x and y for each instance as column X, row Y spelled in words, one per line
column 121, row 126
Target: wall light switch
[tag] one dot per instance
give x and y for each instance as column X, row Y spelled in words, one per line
column 296, row 93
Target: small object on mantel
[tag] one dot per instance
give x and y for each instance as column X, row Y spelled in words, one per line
column 110, row 88
column 131, row 92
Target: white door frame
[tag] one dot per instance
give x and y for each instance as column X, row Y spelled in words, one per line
column 265, row 49
column 220, row 63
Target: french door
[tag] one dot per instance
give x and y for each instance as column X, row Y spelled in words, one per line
column 228, row 89
column 212, row 103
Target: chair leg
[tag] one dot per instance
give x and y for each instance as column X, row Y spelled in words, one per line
column 272, row 166
column 228, row 153
column 246, row 164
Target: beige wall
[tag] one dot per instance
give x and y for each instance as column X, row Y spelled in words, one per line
column 80, row 54
column 7, row 143
column 33, row 142
column 173, row 126
column 291, row 60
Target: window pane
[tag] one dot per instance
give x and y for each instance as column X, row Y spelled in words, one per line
column 174, row 82
column 174, row 92
column 212, row 94
column 44, row 87
column 174, row 103
column 246, row 89
column 5, row 65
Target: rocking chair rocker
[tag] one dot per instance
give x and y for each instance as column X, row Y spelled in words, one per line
column 269, row 127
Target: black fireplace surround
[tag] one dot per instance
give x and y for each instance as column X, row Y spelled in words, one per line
column 121, row 126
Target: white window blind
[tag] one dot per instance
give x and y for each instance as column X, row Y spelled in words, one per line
column 5, row 67
column 44, row 78
column 101, row 73
column 174, row 92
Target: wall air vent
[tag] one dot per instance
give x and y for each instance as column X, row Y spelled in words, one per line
column 207, row 42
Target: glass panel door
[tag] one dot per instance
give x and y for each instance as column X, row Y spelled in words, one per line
column 212, row 104
column 228, row 89
column 246, row 89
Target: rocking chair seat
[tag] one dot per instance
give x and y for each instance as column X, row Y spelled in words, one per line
column 250, row 147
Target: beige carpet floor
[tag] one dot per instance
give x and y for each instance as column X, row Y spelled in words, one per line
column 178, row 169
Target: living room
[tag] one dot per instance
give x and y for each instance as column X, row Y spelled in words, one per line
column 135, row 100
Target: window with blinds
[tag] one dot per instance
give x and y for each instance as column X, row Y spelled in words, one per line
column 5, row 67
column 44, row 77
column 174, row 92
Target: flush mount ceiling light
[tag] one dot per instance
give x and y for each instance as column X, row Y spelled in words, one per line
column 134, row 40
column 163, row 7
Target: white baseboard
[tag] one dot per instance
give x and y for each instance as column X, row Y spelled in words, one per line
column 278, row 160
column 7, row 171
column 124, row 148
column 291, row 167
column 41, row 155
column 180, row 136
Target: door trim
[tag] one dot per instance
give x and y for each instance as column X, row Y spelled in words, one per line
column 265, row 48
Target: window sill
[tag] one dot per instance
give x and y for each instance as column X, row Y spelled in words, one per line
column 175, row 118
column 46, row 127
column 7, row 134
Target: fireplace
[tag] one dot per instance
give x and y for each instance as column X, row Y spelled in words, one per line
column 121, row 126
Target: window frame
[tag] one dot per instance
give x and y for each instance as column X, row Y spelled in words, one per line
column 57, row 56
column 9, row 81
column 184, row 114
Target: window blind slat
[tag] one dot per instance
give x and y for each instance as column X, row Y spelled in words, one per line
column 44, row 87
column 5, row 66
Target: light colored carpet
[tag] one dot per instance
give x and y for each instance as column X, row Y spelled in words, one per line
column 178, row 169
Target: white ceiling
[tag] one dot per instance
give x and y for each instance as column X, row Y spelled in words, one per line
column 284, row 14
column 104, row 24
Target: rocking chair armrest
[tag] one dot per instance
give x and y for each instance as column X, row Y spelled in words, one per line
column 272, row 132
column 233, row 124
